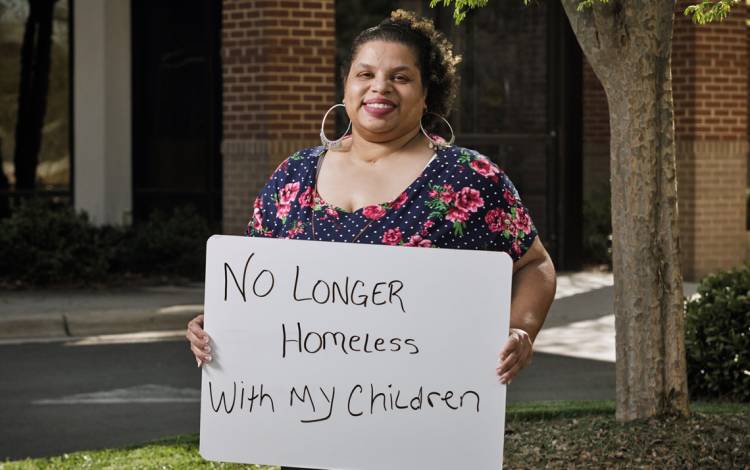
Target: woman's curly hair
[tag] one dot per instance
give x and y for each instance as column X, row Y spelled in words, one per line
column 435, row 58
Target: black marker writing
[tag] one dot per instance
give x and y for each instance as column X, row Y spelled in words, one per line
column 269, row 280
column 312, row 342
column 256, row 396
column 307, row 396
column 348, row 292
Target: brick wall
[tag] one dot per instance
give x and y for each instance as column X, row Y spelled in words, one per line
column 710, row 73
column 595, row 134
column 278, row 69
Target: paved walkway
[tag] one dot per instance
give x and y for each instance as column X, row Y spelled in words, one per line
column 574, row 353
column 580, row 323
column 76, row 313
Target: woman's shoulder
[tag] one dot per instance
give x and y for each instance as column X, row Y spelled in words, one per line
column 297, row 166
column 469, row 165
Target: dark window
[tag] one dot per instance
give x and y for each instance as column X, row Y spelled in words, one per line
column 176, row 107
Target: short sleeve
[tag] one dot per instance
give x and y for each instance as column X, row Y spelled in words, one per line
column 263, row 221
column 276, row 207
column 507, row 219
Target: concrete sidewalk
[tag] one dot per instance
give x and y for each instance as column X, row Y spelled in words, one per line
column 580, row 323
column 78, row 313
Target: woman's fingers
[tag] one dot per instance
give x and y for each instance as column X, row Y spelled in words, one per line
column 514, row 356
column 199, row 340
column 511, row 374
column 510, row 345
column 507, row 363
column 200, row 354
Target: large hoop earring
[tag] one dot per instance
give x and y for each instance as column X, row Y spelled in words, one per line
column 332, row 144
column 438, row 144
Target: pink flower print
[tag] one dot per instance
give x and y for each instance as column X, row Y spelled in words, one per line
column 307, row 197
column 484, row 167
column 516, row 247
column 288, row 193
column 257, row 221
column 468, row 200
column 296, row 230
column 392, row 236
column 522, row 222
column 447, row 195
column 456, row 214
column 282, row 210
column 332, row 212
column 255, row 224
column 494, row 219
column 417, row 240
column 499, row 221
column 433, row 194
column 399, row 201
column 427, row 225
column 509, row 197
column 373, row 212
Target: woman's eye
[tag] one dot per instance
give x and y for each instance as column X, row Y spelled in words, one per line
column 364, row 74
column 401, row 78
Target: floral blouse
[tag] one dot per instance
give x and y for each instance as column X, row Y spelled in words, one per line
column 460, row 200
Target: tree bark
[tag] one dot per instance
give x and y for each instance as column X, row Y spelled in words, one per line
column 628, row 44
column 32, row 93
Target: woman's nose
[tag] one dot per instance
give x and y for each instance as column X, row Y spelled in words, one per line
column 380, row 84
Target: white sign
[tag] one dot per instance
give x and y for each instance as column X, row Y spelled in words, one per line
column 344, row 356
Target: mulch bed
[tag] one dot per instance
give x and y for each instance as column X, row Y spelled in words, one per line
column 699, row 441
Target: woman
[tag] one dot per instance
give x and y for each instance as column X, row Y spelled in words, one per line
column 398, row 75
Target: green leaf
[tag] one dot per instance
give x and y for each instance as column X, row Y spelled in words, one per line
column 458, row 228
column 708, row 11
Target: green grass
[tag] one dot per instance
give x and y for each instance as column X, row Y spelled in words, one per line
column 579, row 434
column 179, row 452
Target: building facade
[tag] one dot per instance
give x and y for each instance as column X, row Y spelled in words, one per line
column 196, row 103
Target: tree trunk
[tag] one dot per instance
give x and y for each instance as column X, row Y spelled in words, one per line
column 628, row 44
column 32, row 93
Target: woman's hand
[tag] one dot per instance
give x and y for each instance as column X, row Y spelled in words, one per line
column 515, row 355
column 199, row 341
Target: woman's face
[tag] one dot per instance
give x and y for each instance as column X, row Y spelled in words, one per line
column 383, row 93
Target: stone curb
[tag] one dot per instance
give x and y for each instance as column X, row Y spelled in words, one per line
column 104, row 322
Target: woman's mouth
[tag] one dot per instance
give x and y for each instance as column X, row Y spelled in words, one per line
column 379, row 108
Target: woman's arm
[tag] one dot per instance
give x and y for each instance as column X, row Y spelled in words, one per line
column 533, row 291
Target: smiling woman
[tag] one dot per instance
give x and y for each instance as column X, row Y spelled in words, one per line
column 391, row 181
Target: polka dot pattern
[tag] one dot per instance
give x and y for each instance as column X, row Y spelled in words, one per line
column 461, row 200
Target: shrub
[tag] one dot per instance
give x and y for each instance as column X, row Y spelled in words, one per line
column 717, row 336
column 43, row 242
column 170, row 245
column 597, row 227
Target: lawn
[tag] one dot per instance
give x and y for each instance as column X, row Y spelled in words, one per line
column 538, row 435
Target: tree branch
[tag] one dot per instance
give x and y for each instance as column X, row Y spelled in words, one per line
column 704, row 12
column 708, row 11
